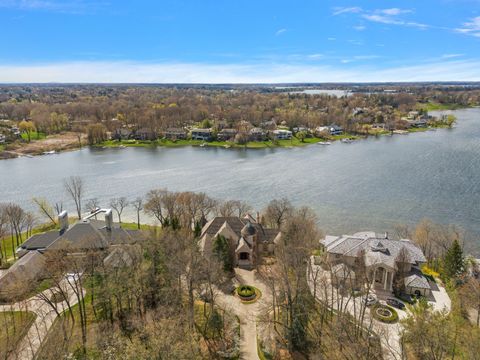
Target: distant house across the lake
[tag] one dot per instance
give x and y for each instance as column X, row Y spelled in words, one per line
column 202, row 134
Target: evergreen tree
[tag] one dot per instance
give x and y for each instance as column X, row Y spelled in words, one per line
column 221, row 249
column 197, row 231
column 453, row 261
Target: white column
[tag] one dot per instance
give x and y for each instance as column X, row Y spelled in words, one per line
column 385, row 272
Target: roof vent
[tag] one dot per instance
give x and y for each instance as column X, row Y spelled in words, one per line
column 378, row 246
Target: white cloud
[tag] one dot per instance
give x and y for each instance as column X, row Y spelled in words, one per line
column 280, row 32
column 360, row 27
column 385, row 16
column 138, row 72
column 393, row 21
column 394, row 11
column 451, row 56
column 331, row 39
column 347, row 10
column 471, row 27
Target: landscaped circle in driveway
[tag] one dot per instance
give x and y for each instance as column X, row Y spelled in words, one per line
column 248, row 294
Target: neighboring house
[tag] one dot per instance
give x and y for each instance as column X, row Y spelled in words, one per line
column 122, row 134
column 335, row 129
column 383, row 258
column 269, row 124
column 3, row 139
column 418, row 122
column 282, row 134
column 301, row 128
column 145, row 134
column 85, row 235
column 202, row 134
column 175, row 134
column 329, row 130
column 257, row 134
column 227, row 134
column 248, row 239
column 379, row 126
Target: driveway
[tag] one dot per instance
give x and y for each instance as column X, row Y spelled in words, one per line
column 247, row 313
column 45, row 317
column 389, row 333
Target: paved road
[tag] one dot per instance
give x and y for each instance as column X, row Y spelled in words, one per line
column 45, row 317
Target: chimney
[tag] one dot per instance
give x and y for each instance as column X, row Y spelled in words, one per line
column 258, row 217
column 109, row 220
column 386, row 235
column 63, row 221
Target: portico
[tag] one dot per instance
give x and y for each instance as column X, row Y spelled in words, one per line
column 382, row 278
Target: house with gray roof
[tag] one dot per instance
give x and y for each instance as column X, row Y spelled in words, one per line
column 383, row 258
column 88, row 234
column 247, row 237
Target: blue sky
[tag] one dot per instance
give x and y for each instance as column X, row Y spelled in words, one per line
column 239, row 41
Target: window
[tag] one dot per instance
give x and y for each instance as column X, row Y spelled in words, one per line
column 244, row 256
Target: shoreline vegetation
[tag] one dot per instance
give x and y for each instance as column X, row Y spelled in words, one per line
column 294, row 142
column 39, row 143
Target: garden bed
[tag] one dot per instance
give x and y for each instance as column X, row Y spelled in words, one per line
column 248, row 294
column 384, row 313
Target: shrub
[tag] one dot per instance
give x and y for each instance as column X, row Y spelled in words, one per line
column 384, row 313
column 246, row 291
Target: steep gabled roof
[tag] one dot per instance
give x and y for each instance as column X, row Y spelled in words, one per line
column 214, row 225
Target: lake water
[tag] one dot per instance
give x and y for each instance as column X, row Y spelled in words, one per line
column 337, row 93
column 367, row 185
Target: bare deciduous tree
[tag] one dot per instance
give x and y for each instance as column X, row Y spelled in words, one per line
column 138, row 205
column 277, row 212
column 74, row 187
column 45, row 209
column 119, row 204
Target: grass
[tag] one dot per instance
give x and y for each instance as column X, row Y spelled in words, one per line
column 250, row 145
column 420, row 129
column 262, row 354
column 13, row 327
column 345, row 136
column 432, row 106
column 9, row 248
column 33, row 136
column 134, row 226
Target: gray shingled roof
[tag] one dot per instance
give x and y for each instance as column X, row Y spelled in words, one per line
column 40, row 241
column 377, row 249
column 85, row 234
column 237, row 224
column 416, row 279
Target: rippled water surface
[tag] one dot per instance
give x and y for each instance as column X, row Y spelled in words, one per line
column 370, row 184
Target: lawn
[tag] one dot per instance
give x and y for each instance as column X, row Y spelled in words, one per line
column 134, row 226
column 228, row 144
column 432, row 106
column 8, row 247
column 33, row 136
column 13, row 327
